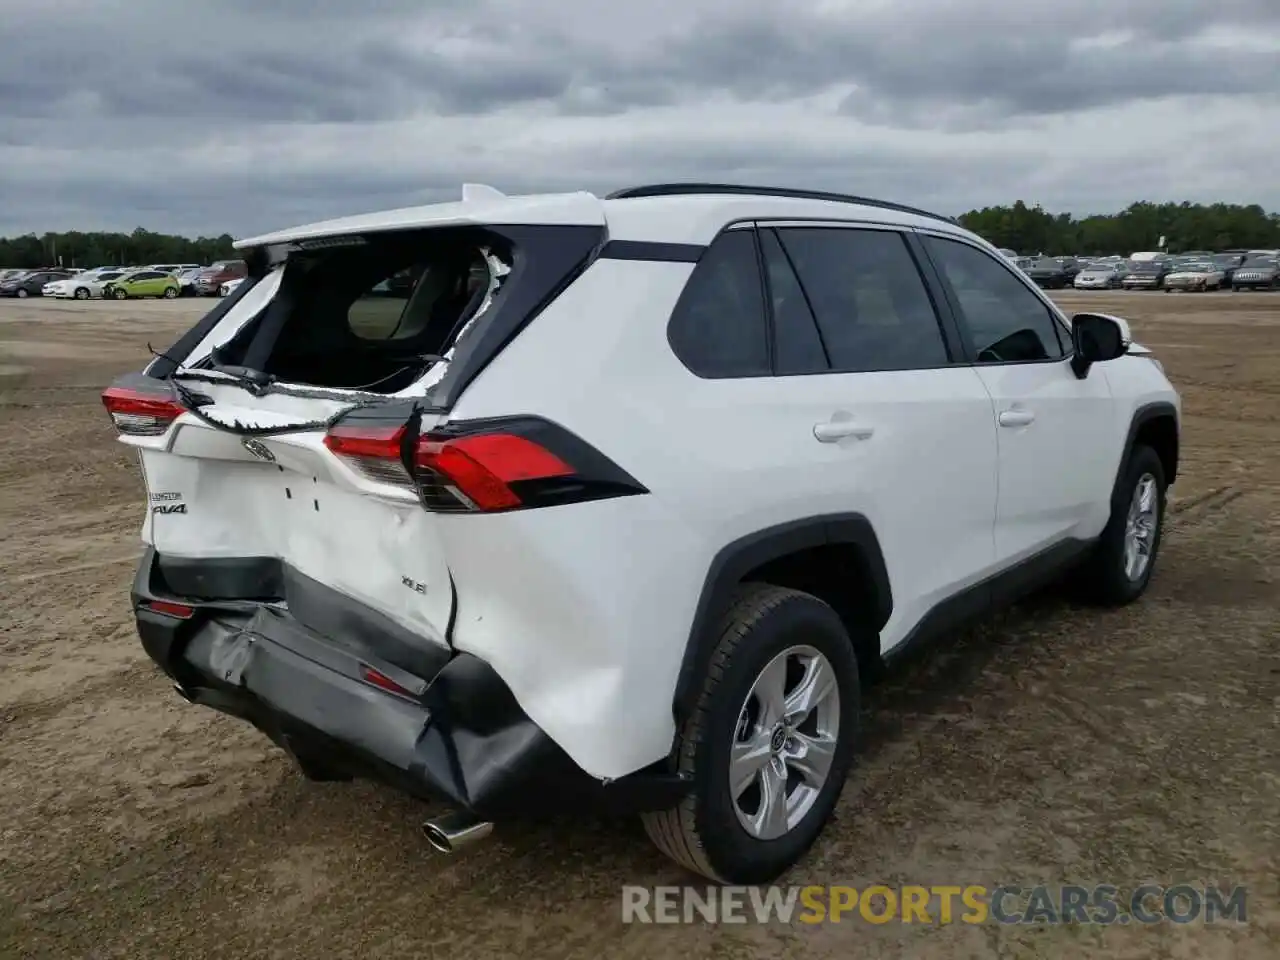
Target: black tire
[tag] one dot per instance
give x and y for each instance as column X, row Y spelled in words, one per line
column 170, row 293
column 22, row 294
column 81, row 293
column 703, row 833
column 1103, row 577
column 120, row 294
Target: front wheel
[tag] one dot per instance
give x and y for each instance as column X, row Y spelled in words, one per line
column 170, row 293
column 120, row 294
column 82, row 293
column 1120, row 567
column 770, row 740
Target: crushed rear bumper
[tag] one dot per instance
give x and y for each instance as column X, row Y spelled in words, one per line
column 459, row 735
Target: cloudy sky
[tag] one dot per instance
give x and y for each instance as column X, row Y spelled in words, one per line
column 245, row 115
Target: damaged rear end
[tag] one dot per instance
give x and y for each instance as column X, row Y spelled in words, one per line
column 298, row 455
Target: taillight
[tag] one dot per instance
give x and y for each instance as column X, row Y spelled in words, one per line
column 375, row 451
column 480, row 466
column 486, row 466
column 477, row 472
column 138, row 413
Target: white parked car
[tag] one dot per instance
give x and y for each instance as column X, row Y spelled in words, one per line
column 1099, row 276
column 1199, row 277
column 225, row 289
column 88, row 285
column 174, row 268
column 820, row 429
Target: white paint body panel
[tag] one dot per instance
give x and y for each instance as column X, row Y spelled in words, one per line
column 1055, row 481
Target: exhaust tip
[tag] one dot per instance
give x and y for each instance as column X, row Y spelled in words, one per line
column 438, row 839
column 446, row 834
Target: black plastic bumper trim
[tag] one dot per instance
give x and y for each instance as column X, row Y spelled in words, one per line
column 321, row 609
column 464, row 738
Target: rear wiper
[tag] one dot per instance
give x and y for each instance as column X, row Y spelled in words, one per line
column 258, row 378
column 257, row 382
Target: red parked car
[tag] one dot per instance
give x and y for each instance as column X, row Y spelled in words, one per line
column 206, row 284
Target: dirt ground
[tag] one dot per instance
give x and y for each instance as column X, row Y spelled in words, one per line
column 1052, row 746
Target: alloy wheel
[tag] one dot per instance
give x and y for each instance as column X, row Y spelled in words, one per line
column 784, row 742
column 1140, row 527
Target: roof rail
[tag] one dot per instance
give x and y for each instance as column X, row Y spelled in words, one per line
column 688, row 189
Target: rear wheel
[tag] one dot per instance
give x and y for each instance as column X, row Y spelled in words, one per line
column 22, row 294
column 1120, row 568
column 770, row 741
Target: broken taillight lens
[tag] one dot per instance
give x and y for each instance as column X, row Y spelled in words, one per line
column 136, row 413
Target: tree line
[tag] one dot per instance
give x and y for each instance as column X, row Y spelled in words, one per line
column 1023, row 228
column 76, row 249
column 1185, row 226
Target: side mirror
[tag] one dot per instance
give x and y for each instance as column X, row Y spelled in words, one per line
column 1096, row 338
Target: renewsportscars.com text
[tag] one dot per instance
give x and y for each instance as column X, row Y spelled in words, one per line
column 1103, row 904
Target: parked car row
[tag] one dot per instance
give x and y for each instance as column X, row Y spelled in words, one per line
column 162, row 280
column 1195, row 270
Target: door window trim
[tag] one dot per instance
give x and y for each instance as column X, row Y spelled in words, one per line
column 1061, row 326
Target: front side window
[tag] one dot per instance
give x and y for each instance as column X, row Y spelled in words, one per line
column 872, row 307
column 717, row 328
column 1004, row 321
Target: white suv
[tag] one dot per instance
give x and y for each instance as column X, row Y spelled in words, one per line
column 546, row 502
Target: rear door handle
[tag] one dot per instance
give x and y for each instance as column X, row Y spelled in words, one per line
column 834, row 430
column 1016, row 418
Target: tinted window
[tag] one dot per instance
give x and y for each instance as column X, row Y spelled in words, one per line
column 872, row 308
column 718, row 327
column 797, row 346
column 1006, row 322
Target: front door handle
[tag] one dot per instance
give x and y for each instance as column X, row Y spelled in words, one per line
column 834, row 430
column 1016, row 418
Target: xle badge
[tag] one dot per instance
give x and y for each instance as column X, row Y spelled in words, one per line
column 258, row 449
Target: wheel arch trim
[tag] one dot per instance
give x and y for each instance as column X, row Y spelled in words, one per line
column 740, row 557
column 1144, row 414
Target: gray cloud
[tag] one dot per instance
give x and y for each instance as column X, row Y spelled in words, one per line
column 241, row 116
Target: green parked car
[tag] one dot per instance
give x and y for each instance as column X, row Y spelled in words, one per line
column 143, row 283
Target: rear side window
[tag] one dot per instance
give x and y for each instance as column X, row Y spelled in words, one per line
column 866, row 292
column 717, row 328
column 1005, row 322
